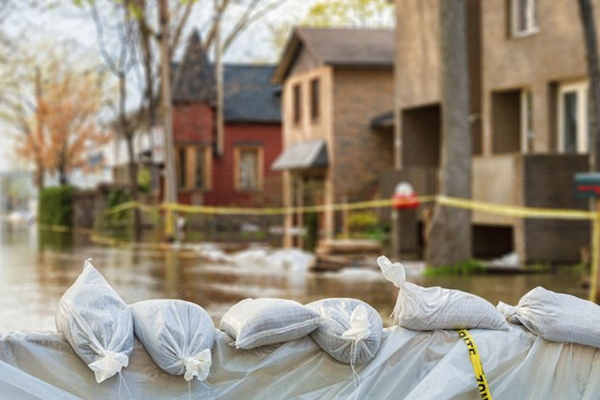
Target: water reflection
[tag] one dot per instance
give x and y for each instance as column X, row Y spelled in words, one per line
column 36, row 270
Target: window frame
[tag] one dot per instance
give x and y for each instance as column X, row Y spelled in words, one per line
column 188, row 184
column 260, row 167
column 533, row 26
column 581, row 89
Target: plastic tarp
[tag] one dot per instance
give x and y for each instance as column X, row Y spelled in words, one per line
column 409, row 365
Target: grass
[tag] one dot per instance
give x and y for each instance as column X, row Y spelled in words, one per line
column 460, row 269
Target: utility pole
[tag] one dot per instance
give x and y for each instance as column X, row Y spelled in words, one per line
column 588, row 22
column 219, row 80
column 170, row 178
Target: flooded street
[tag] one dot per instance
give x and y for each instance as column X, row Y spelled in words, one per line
column 35, row 271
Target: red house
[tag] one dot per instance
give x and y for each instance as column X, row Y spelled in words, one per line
column 252, row 133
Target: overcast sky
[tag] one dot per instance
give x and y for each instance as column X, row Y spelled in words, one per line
column 35, row 28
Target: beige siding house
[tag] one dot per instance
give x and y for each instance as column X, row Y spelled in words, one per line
column 528, row 117
column 334, row 82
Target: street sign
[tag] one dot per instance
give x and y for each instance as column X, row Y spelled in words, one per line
column 587, row 185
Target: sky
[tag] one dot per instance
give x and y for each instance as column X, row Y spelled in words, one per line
column 35, row 28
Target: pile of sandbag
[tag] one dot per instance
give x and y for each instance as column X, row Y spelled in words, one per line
column 179, row 335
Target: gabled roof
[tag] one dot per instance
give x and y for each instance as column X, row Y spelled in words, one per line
column 249, row 94
column 339, row 47
column 195, row 76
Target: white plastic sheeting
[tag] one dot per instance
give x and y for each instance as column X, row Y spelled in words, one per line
column 409, row 365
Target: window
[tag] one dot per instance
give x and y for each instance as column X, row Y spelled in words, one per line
column 523, row 17
column 193, row 167
column 315, row 106
column 572, row 118
column 201, row 171
column 297, row 93
column 248, row 168
column 182, row 167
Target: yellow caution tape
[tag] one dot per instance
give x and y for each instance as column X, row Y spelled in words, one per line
column 484, row 388
column 516, row 211
column 492, row 208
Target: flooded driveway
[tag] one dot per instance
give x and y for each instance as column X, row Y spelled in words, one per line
column 35, row 271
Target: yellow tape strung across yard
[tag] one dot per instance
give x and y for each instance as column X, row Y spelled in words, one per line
column 492, row 208
column 484, row 388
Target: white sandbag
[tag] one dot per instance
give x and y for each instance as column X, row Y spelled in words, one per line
column 424, row 309
column 177, row 334
column 259, row 322
column 96, row 323
column 350, row 331
column 556, row 316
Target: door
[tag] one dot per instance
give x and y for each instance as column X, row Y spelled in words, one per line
column 572, row 118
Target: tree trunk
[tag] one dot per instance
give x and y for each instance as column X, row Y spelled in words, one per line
column 133, row 187
column 39, row 176
column 450, row 229
column 165, row 63
column 586, row 13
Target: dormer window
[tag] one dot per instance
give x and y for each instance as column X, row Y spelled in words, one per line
column 523, row 18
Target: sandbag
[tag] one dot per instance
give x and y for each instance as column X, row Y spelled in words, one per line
column 96, row 323
column 424, row 309
column 177, row 334
column 350, row 330
column 556, row 316
column 259, row 322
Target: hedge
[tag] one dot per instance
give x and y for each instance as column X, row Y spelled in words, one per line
column 56, row 205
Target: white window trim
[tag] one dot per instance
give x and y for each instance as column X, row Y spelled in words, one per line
column 533, row 27
column 581, row 88
column 526, row 133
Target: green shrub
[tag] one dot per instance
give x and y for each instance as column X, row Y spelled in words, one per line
column 115, row 197
column 56, row 205
column 362, row 221
column 144, row 179
column 465, row 268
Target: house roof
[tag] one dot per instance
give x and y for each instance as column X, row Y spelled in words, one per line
column 301, row 155
column 195, row 76
column 339, row 47
column 249, row 94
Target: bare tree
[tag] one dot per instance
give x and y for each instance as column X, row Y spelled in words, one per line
column 121, row 61
column 450, row 229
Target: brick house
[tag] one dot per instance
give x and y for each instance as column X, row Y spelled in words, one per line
column 252, row 132
column 334, row 82
column 528, row 85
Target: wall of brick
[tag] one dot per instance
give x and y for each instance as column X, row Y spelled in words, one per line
column 361, row 154
column 223, row 188
column 548, row 183
column 193, row 122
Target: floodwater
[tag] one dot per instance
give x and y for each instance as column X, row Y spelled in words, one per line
column 35, row 270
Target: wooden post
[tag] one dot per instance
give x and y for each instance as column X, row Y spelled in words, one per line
column 171, row 179
column 219, row 81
